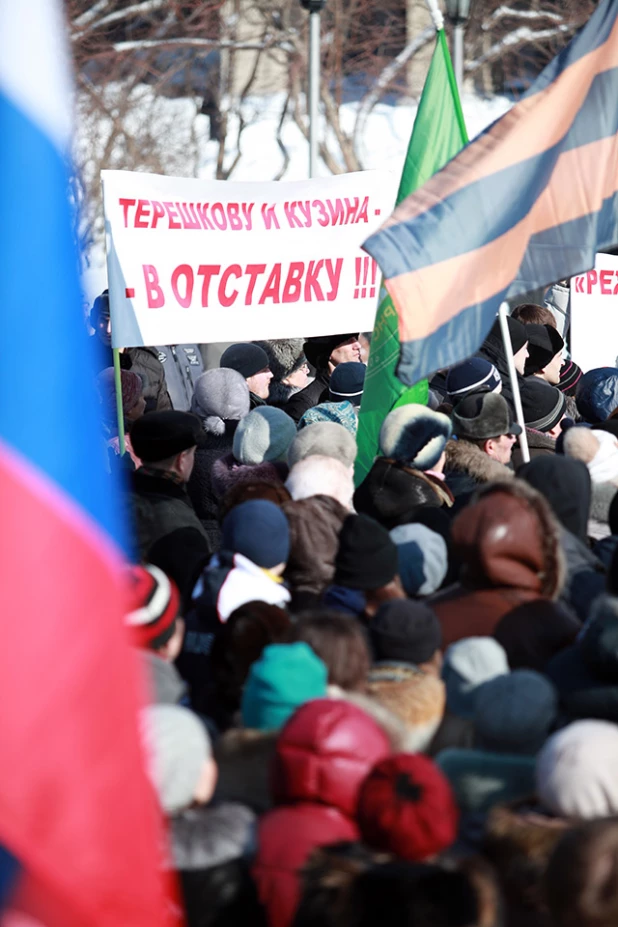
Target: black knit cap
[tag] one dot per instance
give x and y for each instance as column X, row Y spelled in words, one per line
column 543, row 405
column 367, row 557
column 160, row 435
column 405, row 631
column 570, row 375
column 248, row 359
column 318, row 350
column 517, row 331
column 544, row 342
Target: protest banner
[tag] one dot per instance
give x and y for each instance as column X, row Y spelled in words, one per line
column 594, row 314
column 201, row 261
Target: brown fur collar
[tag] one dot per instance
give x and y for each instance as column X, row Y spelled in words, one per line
column 439, row 487
column 466, row 457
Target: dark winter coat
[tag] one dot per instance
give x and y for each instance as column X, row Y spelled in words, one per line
column 227, row 472
column 509, row 548
column 585, row 575
column 161, row 506
column 201, row 489
column 467, row 467
column 539, row 445
column 312, row 395
column 391, row 491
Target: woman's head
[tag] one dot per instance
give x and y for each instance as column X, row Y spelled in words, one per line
column 340, row 642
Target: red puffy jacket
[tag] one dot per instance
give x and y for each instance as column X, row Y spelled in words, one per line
column 323, row 754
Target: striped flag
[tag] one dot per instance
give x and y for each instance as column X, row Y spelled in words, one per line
column 528, row 202
column 439, row 133
column 82, row 843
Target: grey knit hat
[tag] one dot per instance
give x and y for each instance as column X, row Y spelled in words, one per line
column 515, row 713
column 220, row 396
column 467, row 664
column 264, row 434
column 177, row 747
column 326, row 439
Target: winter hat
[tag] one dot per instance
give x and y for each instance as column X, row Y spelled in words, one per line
column 326, row 439
column 248, row 359
column 518, row 333
column 153, row 606
column 415, row 435
column 259, row 531
column 285, row 356
column 131, row 386
column 161, row 435
column 597, row 394
column 597, row 449
column 570, row 375
column 483, row 415
column 467, row 665
column 342, row 413
column 405, row 631
column 544, row 342
column 263, row 434
column 598, row 639
column 423, row 558
column 346, row 383
column 321, row 476
column 407, row 807
column 543, row 405
column 367, row 557
column 514, row 713
column 576, row 771
column 220, row 396
column 566, row 485
column 475, row 375
column 177, row 746
column 285, row 677
column 318, row 350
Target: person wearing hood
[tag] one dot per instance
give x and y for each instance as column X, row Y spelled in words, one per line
column 544, row 408
column 220, row 401
column 324, row 353
column 492, row 350
column 251, row 362
column 566, row 485
column 409, row 472
column 289, row 368
column 597, row 394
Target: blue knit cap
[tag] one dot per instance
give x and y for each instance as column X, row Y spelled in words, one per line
column 284, row 678
column 475, row 375
column 258, row 530
column 342, row 413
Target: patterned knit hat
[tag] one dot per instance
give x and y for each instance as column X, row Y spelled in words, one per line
column 153, row 606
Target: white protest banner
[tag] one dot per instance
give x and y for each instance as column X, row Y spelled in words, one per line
column 201, row 261
column 594, row 314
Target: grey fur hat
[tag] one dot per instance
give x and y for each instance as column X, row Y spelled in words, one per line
column 483, row 415
column 415, row 435
column 177, row 746
column 265, row 434
column 326, row 439
column 284, row 356
column 220, row 396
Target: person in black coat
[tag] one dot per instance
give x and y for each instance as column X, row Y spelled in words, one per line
column 324, row 354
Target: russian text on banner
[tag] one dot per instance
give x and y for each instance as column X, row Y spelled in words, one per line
column 77, row 812
column 528, row 202
column 439, row 132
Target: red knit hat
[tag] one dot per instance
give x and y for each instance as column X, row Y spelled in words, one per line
column 153, row 606
column 407, row 807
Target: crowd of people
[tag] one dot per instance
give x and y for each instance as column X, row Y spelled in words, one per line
column 393, row 704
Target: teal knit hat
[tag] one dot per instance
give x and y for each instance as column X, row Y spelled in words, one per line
column 285, row 677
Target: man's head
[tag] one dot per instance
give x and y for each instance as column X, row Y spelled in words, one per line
column 153, row 611
column 252, row 362
column 100, row 318
column 167, row 441
column 474, row 375
column 533, row 314
column 544, row 406
column 485, row 419
column 327, row 351
column 545, row 347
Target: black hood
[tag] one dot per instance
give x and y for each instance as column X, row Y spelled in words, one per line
column 566, row 485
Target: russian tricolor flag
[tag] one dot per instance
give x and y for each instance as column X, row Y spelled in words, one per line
column 76, row 810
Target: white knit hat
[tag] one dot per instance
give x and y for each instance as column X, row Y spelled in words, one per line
column 177, row 746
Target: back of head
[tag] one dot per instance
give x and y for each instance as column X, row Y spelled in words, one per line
column 259, row 531
column 474, row 375
column 581, row 879
column 340, row 642
column 324, row 439
column 325, row 752
column 493, row 346
column 544, row 406
column 246, row 358
column 367, row 557
column 338, row 413
column 534, row 632
column 321, row 476
column 250, row 489
column 597, row 394
column 533, row 314
column 220, row 396
column 514, row 713
column 423, row 558
column 153, row 606
column 415, row 435
column 284, row 677
column 160, row 436
column 265, row 434
column 566, row 485
column 177, row 747
column 467, row 665
column 544, row 342
column 405, row 631
column 347, row 382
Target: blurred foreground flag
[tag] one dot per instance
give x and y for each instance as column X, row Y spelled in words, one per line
column 526, row 203
column 77, row 815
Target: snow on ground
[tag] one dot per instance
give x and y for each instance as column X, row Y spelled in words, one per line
column 383, row 145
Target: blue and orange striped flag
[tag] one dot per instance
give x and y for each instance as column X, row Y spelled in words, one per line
column 527, row 203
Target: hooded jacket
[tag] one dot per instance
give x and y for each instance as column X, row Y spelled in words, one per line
column 323, row 754
column 315, row 524
column 391, row 490
column 508, row 542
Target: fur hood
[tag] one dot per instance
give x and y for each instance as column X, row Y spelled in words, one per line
column 402, row 738
column 211, row 836
column 227, row 472
column 465, row 457
column 415, row 698
column 315, row 524
column 391, row 491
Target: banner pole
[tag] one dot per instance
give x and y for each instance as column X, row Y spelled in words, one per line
column 508, row 350
column 119, row 412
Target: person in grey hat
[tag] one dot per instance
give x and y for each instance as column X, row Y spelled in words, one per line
column 485, row 432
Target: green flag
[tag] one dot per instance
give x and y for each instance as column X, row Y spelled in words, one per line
column 439, row 133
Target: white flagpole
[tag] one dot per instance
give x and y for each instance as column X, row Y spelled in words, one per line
column 508, row 350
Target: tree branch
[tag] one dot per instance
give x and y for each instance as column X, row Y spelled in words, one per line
column 522, row 36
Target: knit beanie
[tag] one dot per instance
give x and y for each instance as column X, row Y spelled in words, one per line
column 576, row 771
column 326, row 439
column 285, row 677
column 415, row 435
column 153, row 605
column 543, row 405
column 265, row 434
column 285, row 356
column 321, row 476
column 423, row 558
column 570, row 375
column 367, row 557
column 514, row 713
column 318, row 350
column 259, row 531
column 131, row 386
column 220, row 396
column 248, row 359
column 342, row 413
column 544, row 342
column 405, row 631
column 517, row 332
column 467, row 664
column 475, row 375
column 177, row 746
column 347, row 382
column 407, row 807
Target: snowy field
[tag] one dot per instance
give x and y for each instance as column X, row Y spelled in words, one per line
column 383, row 145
